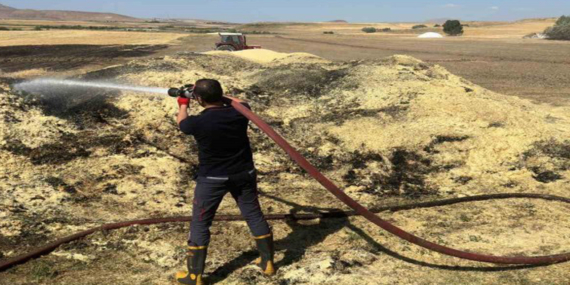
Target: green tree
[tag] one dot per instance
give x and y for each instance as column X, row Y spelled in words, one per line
column 419, row 27
column 560, row 31
column 563, row 21
column 369, row 30
column 453, row 28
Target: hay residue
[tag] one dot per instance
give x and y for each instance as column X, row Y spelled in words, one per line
column 386, row 131
column 265, row 56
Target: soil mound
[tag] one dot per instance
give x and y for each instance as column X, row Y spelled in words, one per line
column 265, row 56
column 395, row 129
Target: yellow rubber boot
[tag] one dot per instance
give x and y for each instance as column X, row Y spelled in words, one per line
column 266, row 253
column 195, row 262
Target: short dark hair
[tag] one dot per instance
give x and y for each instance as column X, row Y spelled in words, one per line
column 210, row 90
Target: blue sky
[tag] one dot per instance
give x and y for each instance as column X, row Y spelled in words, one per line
column 311, row 10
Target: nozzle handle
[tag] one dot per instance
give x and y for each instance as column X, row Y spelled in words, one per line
column 185, row 91
column 174, row 92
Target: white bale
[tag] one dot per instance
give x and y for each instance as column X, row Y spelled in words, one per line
column 430, row 35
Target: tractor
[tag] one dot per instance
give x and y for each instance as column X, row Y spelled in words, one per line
column 233, row 42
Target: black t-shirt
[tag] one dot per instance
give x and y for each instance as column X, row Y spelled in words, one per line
column 223, row 144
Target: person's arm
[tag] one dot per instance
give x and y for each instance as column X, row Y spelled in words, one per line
column 182, row 114
column 182, row 109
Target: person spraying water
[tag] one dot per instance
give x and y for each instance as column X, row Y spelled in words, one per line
column 226, row 165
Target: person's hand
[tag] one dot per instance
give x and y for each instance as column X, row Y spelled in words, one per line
column 183, row 101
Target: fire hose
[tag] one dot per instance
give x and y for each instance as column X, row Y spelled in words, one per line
column 358, row 210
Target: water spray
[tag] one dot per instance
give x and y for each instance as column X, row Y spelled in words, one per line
column 38, row 85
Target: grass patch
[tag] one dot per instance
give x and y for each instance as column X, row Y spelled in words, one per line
column 419, row 27
column 42, row 270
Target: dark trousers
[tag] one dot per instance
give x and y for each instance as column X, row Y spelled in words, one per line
column 208, row 195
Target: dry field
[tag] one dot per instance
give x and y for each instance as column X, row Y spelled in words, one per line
column 489, row 54
column 61, row 37
column 388, row 129
column 493, row 55
column 475, row 29
column 533, row 69
column 25, row 54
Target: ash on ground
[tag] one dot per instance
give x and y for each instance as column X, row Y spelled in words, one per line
column 388, row 131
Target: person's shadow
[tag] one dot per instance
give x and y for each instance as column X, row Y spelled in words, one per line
column 305, row 236
column 295, row 244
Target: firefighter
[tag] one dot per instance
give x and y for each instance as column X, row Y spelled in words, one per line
column 225, row 165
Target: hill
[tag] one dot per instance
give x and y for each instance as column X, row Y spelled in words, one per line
column 28, row 14
column 2, row 7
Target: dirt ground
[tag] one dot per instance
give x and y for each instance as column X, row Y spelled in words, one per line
column 63, row 37
column 387, row 129
column 20, row 60
column 535, row 69
column 490, row 54
column 102, row 157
